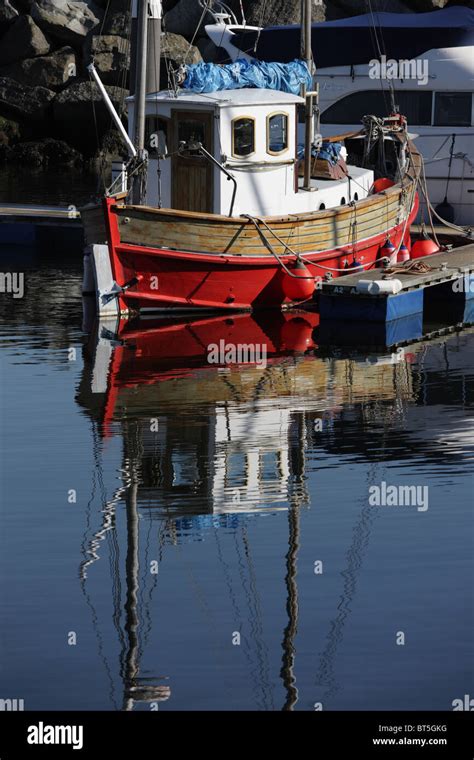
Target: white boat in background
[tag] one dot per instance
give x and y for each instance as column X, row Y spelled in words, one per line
column 433, row 85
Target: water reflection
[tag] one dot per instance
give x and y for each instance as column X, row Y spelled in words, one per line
column 206, row 447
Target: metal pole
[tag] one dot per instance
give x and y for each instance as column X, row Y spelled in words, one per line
column 308, row 52
column 308, row 57
column 308, row 141
column 303, row 30
column 153, row 47
column 110, row 106
column 140, row 88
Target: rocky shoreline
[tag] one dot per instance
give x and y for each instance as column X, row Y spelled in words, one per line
column 51, row 114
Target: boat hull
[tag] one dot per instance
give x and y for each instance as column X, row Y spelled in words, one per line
column 183, row 279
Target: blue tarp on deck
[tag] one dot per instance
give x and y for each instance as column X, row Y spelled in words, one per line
column 285, row 77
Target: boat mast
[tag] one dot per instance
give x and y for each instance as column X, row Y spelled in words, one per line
column 307, row 55
column 306, row 33
column 146, row 79
column 140, row 81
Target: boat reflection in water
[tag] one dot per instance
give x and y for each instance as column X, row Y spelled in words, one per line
column 212, row 445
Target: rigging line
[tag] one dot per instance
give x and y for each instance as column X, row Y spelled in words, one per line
column 96, row 128
column 377, row 50
column 262, row 649
column 448, row 137
column 146, row 615
column 117, row 593
column 105, row 16
column 292, row 252
column 157, row 66
column 205, row 9
column 354, row 561
column 256, row 676
column 202, row 605
column 120, row 83
column 161, row 544
column 232, row 596
column 466, row 230
column 260, row 23
column 82, row 577
column 242, row 13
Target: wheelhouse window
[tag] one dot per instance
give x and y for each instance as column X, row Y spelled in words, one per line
column 415, row 105
column 452, row 109
column 243, row 137
column 157, row 136
column 277, row 133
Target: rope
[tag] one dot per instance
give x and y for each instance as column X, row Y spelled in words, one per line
column 424, row 188
column 298, row 256
column 413, row 267
column 255, row 221
column 205, row 9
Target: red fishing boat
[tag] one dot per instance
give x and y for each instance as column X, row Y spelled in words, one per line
column 232, row 211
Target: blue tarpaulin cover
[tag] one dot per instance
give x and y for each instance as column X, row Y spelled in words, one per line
column 285, row 77
column 328, row 151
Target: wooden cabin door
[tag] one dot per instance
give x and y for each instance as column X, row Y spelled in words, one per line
column 192, row 173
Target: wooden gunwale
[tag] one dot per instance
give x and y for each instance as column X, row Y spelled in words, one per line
column 200, row 232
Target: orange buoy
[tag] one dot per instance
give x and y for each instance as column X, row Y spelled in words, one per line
column 301, row 286
column 387, row 251
column 297, row 335
column 382, row 184
column 423, row 247
column 403, row 254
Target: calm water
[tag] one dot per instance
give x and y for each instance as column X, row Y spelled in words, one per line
column 126, row 457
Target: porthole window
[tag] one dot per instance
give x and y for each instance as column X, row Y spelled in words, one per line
column 277, row 133
column 322, row 206
column 243, row 136
column 343, row 201
column 356, row 196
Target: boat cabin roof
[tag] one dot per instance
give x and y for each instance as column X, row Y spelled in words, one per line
column 224, row 98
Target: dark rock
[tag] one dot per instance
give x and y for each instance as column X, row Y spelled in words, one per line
column 7, row 13
column 65, row 20
column 270, row 12
column 111, row 56
column 117, row 23
column 112, row 147
column 261, row 13
column 357, row 7
column 74, row 110
column 51, row 71
column 23, row 39
column 177, row 50
column 47, row 152
column 184, row 19
column 21, row 100
column 9, row 131
column 5, row 153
